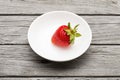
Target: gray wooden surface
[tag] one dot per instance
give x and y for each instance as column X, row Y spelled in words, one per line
column 105, row 29
column 76, row 6
column 100, row 62
column 20, row 60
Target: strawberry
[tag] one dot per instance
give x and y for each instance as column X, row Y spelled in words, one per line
column 65, row 35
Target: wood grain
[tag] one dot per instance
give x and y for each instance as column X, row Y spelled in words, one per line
column 100, row 62
column 57, row 78
column 76, row 6
column 20, row 60
column 105, row 29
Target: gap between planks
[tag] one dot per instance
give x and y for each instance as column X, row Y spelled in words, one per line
column 60, row 76
column 75, row 13
column 90, row 44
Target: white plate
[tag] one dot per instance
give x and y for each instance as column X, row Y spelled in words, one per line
column 42, row 29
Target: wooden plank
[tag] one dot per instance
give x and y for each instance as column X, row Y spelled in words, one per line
column 20, row 60
column 105, row 29
column 57, row 78
column 76, row 6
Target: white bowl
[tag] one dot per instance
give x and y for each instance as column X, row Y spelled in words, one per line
column 42, row 29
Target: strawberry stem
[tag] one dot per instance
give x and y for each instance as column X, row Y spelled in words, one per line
column 69, row 24
column 72, row 32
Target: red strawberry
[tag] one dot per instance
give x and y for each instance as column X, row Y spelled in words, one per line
column 65, row 35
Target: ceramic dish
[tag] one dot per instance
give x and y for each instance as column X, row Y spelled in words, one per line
column 42, row 29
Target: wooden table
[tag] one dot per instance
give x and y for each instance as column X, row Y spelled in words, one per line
column 100, row 62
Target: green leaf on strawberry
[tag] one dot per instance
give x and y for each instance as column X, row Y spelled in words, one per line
column 77, row 34
column 72, row 32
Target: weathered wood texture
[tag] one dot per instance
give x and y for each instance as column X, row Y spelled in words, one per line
column 105, row 29
column 20, row 60
column 76, row 6
column 57, row 78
